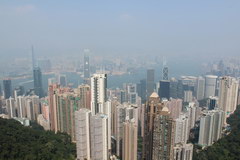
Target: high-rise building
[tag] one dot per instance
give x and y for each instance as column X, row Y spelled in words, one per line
column 130, row 136
column 200, row 87
column 188, row 96
column 98, row 92
column 183, row 152
column 37, row 77
column 84, row 93
column 164, row 90
column 83, row 141
column 11, row 107
column 181, row 129
column 175, row 107
column 158, row 130
column 141, row 89
column 150, row 82
column 52, row 90
column 7, row 88
column 86, row 67
column 228, row 94
column 163, row 135
column 212, row 103
column 165, row 73
column 173, row 88
column 210, row 85
column 99, row 137
column 211, row 124
column 62, row 80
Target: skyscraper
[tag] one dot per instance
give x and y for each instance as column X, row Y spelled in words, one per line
column 83, row 142
column 164, row 90
column 86, row 67
column 7, row 88
column 211, row 124
column 37, row 77
column 158, row 130
column 63, row 80
column 210, row 85
column 130, row 137
column 165, row 72
column 163, row 135
column 84, row 93
column 99, row 137
column 200, row 87
column 142, row 90
column 228, row 94
column 98, row 92
column 150, row 82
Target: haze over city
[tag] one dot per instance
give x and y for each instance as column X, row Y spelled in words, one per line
column 120, row 80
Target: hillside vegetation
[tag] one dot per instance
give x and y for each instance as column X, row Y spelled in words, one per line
column 32, row 143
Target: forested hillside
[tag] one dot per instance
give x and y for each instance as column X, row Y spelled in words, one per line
column 31, row 143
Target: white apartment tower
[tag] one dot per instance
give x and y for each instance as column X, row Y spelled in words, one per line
column 228, row 94
column 98, row 92
column 210, row 85
column 99, row 137
column 82, row 122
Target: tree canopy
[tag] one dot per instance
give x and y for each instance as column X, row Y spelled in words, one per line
column 32, row 143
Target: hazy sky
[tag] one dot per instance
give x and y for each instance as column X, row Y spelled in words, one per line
column 170, row 28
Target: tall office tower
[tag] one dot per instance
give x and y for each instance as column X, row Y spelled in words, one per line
column 228, row 94
column 141, row 89
column 84, row 93
column 52, row 106
column 37, row 76
column 130, row 137
column 188, row 96
column 98, row 92
column 11, row 107
column 175, row 107
column 164, row 90
column 188, row 83
column 7, row 88
column 83, row 141
column 212, row 103
column 150, row 82
column 107, row 110
column 165, row 73
column 99, row 137
column 200, row 87
column 150, row 111
column 180, row 89
column 183, row 151
column 181, row 129
column 210, row 85
column 33, row 59
column 86, row 67
column 62, row 80
column 45, row 65
column 173, row 88
column 163, row 135
column 211, row 124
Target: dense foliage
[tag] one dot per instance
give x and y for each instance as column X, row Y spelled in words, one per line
column 227, row 148
column 31, row 143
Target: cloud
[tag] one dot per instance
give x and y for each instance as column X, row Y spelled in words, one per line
column 25, row 8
